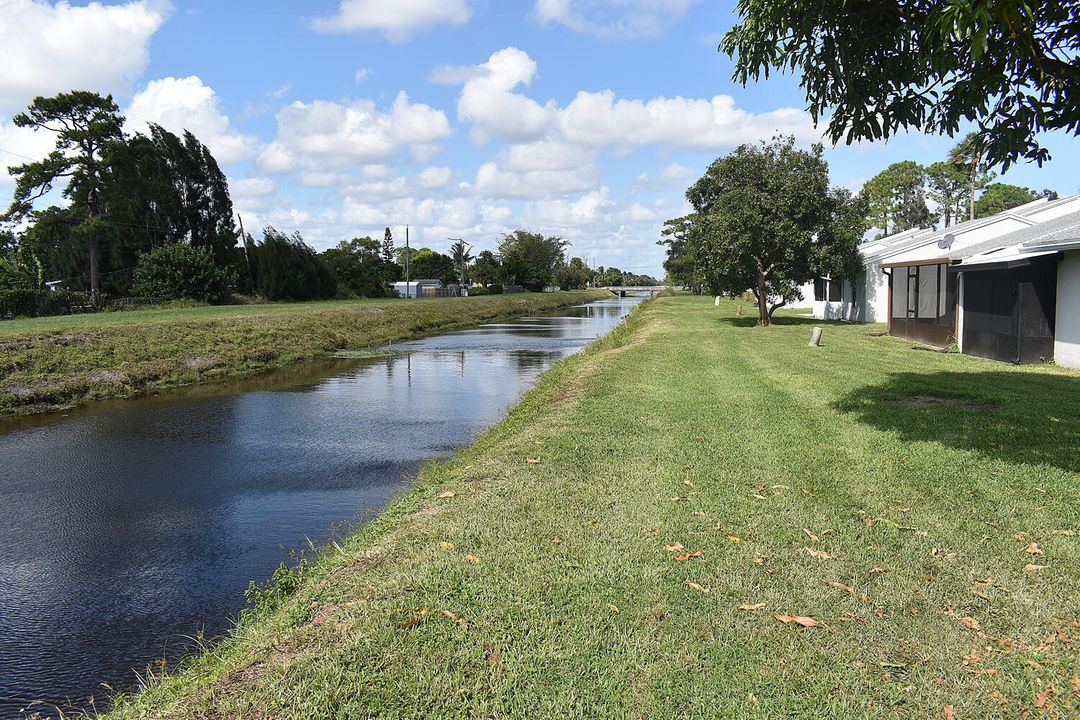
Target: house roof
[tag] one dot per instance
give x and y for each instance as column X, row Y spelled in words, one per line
column 911, row 240
column 1046, row 235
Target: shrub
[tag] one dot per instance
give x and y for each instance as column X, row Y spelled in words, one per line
column 495, row 289
column 178, row 271
column 475, row 291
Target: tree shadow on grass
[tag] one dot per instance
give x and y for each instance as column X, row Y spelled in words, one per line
column 779, row 320
column 1013, row 416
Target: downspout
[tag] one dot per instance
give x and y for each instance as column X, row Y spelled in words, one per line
column 887, row 272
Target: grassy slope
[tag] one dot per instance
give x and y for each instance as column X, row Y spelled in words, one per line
column 730, row 440
column 48, row 363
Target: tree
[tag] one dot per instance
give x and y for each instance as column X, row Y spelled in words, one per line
column 679, row 263
column 574, row 275
column 947, row 183
column 770, row 224
column 359, row 269
column 968, row 155
column 428, row 264
column 486, row 269
column 288, row 269
column 999, row 197
column 530, row 259
column 874, row 67
column 84, row 124
column 459, row 252
column 895, row 198
column 178, row 271
column 388, row 247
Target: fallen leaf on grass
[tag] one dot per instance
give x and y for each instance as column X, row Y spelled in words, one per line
column 687, row 556
column 810, row 535
column 1065, row 533
column 687, row 483
column 1074, row 683
column 455, row 618
column 674, row 547
column 841, row 586
column 780, row 487
column 1040, row 699
column 983, row 581
column 807, row 622
column 613, row 608
column 533, row 460
column 851, row 616
column 649, row 531
column 446, row 495
column 753, row 606
column 819, row 554
column 1019, row 537
column 877, row 570
column 973, row 659
column 760, row 497
column 697, row 587
column 950, row 712
column 410, row 622
column 734, row 538
column 473, row 559
column 971, row 624
column 981, row 595
column 445, row 545
column 760, row 560
column 698, row 513
column 1033, row 549
column 1032, row 567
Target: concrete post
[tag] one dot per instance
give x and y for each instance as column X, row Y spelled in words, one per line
column 815, row 337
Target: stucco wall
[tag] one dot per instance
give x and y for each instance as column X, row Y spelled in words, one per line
column 1067, row 324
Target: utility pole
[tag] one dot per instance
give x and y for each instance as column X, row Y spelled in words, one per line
column 408, row 258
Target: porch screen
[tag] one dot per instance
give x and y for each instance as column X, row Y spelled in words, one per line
column 924, row 293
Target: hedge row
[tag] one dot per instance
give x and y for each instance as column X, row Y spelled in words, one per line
column 36, row 303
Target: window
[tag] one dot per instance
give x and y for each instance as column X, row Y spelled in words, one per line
column 836, row 288
column 820, row 289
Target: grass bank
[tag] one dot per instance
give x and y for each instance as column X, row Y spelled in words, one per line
column 51, row 363
column 692, row 479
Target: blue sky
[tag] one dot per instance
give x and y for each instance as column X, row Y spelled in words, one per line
column 461, row 118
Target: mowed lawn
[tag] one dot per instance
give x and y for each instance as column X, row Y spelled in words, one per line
column 920, row 511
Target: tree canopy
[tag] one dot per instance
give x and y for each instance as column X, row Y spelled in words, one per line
column 530, row 259
column 874, row 67
column 768, row 223
column 999, row 197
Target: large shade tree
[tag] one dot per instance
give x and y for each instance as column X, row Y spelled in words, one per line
column 530, row 259
column 84, row 124
column 874, row 67
column 768, row 223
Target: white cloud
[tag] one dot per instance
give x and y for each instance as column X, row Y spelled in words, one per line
column 671, row 176
column 600, row 120
column 179, row 104
column 50, row 48
column 252, row 187
column 397, row 20
column 495, row 182
column 325, row 135
column 435, row 177
column 613, row 19
column 488, row 101
column 362, row 74
column 20, row 145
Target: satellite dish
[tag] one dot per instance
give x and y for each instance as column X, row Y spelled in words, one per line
column 946, row 242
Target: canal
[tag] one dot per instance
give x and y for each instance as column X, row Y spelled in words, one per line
column 132, row 526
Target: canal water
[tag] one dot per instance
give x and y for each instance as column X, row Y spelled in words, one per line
column 131, row 526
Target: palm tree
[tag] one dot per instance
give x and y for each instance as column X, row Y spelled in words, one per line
column 459, row 251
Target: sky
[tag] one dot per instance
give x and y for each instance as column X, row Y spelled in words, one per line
column 586, row 119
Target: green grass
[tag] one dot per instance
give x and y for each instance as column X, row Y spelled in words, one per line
column 51, row 363
column 687, row 425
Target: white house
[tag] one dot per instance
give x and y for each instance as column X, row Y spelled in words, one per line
column 867, row 299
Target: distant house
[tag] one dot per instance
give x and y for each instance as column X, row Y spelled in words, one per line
column 1005, row 287
column 415, row 288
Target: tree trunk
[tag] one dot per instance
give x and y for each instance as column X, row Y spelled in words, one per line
column 971, row 194
column 92, row 251
column 762, row 299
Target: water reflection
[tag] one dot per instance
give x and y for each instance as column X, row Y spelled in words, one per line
column 130, row 525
